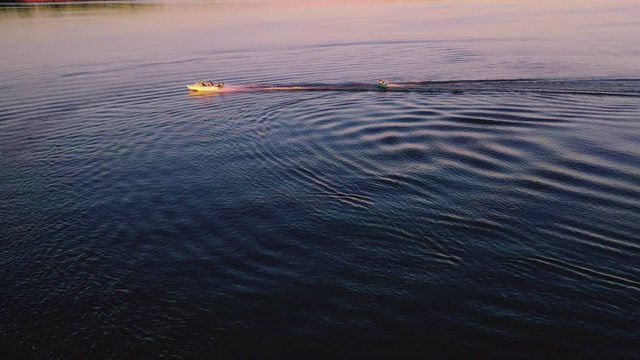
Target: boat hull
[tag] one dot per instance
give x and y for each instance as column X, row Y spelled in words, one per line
column 203, row 88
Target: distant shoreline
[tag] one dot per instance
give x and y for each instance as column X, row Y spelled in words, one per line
column 47, row 1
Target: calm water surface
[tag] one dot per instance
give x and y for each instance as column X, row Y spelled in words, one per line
column 485, row 205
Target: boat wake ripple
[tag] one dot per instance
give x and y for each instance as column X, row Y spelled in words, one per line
column 606, row 87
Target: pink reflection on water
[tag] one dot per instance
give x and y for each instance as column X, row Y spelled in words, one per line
column 583, row 30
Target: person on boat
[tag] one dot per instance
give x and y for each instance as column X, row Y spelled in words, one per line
column 220, row 85
column 201, row 83
column 382, row 83
column 210, row 83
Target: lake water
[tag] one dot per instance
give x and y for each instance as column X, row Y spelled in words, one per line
column 485, row 205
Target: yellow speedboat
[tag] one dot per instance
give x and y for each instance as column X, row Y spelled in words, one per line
column 207, row 86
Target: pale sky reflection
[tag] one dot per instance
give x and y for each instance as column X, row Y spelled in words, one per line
column 130, row 30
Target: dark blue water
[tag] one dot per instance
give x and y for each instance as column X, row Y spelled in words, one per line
column 486, row 205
